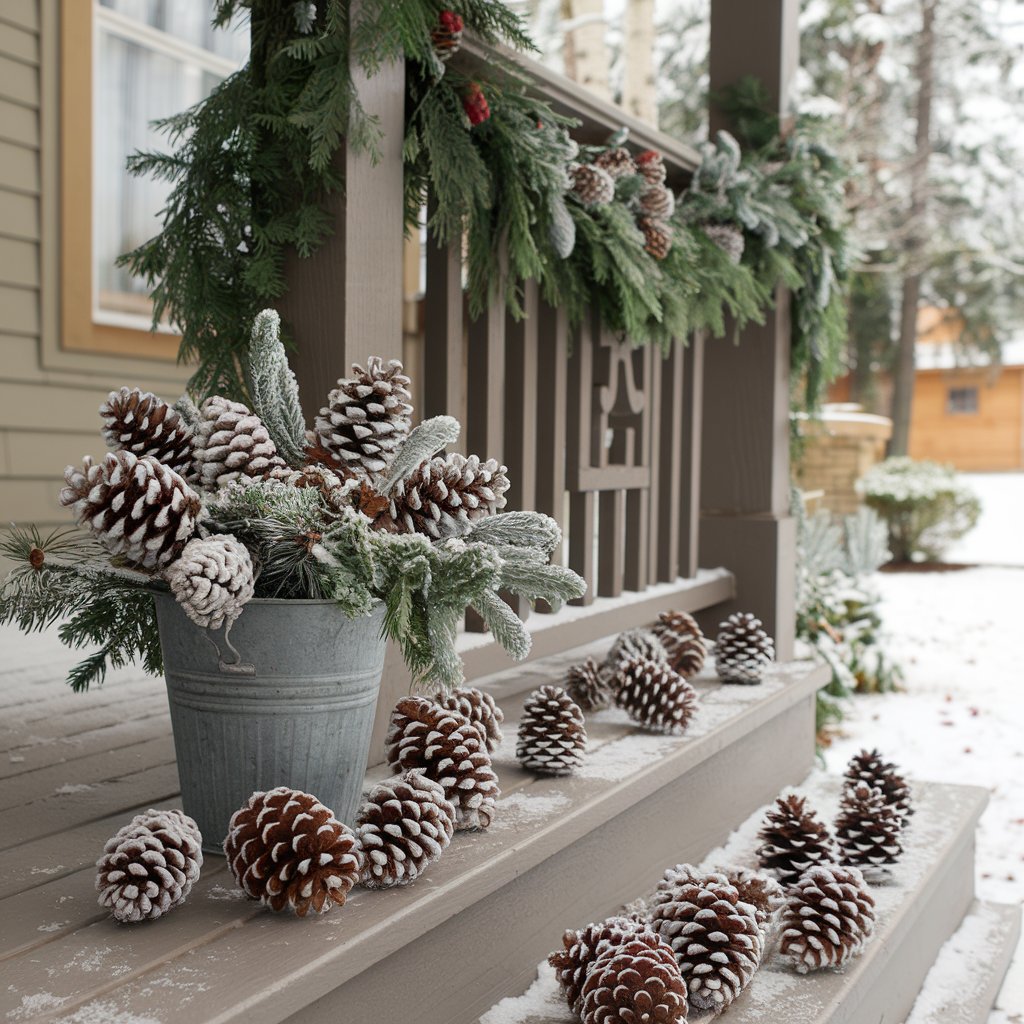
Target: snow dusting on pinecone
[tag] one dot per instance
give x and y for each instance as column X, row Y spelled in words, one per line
column 212, row 580
column 552, row 736
column 137, row 421
column 231, row 442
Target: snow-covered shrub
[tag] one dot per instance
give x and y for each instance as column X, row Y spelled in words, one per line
column 923, row 503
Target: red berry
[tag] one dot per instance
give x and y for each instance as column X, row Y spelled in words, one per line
column 451, row 22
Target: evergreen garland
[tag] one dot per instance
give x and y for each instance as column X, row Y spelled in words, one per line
column 255, row 163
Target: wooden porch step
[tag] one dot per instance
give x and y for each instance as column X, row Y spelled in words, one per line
column 444, row 949
column 932, row 890
column 965, row 979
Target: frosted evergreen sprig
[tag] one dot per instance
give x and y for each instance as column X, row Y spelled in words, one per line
column 423, row 441
column 273, row 388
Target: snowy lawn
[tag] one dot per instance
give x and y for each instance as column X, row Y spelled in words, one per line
column 960, row 639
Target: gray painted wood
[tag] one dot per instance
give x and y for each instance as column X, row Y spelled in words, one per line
column 745, row 478
column 443, row 341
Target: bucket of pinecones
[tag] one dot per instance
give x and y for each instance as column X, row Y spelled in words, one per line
column 261, row 563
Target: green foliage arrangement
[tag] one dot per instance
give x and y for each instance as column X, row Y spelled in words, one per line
column 838, row 609
column 925, row 507
column 254, row 163
column 369, row 513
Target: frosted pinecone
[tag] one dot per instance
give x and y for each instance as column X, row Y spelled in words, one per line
column 728, row 238
column 404, row 826
column 868, row 831
column 552, row 737
column 616, row 161
column 793, row 839
column 138, row 422
column 580, row 949
column 479, row 708
column 212, row 580
column 762, row 892
column 658, row 202
column 655, row 697
column 742, row 649
column 135, row 507
column 715, row 936
column 590, row 685
column 149, row 866
column 447, row 494
column 683, row 641
column 651, row 166
column 287, row 850
column 829, row 917
column 638, row 981
column 657, row 236
column 593, row 186
column 451, row 751
column 367, row 417
column 633, row 644
column 231, row 442
column 869, row 766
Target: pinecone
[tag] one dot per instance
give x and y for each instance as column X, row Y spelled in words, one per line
column 633, row 644
column 231, row 442
column 447, row 494
column 764, row 894
column 868, row 766
column 138, row 422
column 590, row 685
column 593, row 186
column 657, row 236
column 450, row 751
column 651, row 166
column 367, row 417
column 658, row 202
column 830, row 915
column 868, row 829
column 616, row 161
column 638, row 981
column 742, row 649
column 655, row 697
column 793, row 839
column 728, row 238
column 581, row 948
column 683, row 641
column 672, row 881
column 136, row 507
column 149, row 866
column 212, row 579
column 447, row 37
column 552, row 738
column 288, row 851
column 330, row 482
column 479, row 708
column 715, row 936
column 404, row 826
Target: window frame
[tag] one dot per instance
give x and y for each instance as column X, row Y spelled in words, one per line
column 84, row 327
column 965, row 389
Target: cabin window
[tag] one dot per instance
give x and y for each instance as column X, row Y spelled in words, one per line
column 962, row 401
column 126, row 64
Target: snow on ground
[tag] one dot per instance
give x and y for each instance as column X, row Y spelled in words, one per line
column 960, row 639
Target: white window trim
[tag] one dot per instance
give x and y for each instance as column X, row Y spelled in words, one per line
column 115, row 23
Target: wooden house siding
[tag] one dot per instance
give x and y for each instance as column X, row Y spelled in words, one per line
column 48, row 397
column 988, row 440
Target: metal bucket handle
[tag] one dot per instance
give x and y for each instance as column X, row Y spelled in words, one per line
column 230, row 668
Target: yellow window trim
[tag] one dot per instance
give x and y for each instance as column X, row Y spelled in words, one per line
column 79, row 332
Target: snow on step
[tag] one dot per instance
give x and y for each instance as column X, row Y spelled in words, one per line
column 965, row 979
column 778, row 993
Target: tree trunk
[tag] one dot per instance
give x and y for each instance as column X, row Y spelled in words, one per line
column 586, row 54
column 903, row 378
column 639, row 94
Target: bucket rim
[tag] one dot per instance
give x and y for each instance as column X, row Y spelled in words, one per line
column 265, row 601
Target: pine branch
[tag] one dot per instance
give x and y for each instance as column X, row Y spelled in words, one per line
column 274, row 390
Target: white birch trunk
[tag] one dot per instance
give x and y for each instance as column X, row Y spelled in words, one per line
column 639, row 95
column 587, row 60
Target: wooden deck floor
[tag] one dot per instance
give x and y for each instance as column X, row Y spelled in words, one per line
column 76, row 767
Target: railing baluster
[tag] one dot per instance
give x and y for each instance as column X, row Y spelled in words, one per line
column 579, row 411
column 666, row 459
column 692, row 402
column 552, row 396
column 443, row 333
column 638, row 501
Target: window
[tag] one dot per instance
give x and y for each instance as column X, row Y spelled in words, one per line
column 125, row 63
column 962, row 401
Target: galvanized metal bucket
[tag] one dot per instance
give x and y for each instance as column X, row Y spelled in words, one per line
column 288, row 700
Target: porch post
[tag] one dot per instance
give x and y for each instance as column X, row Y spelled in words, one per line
column 745, row 484
column 344, row 303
